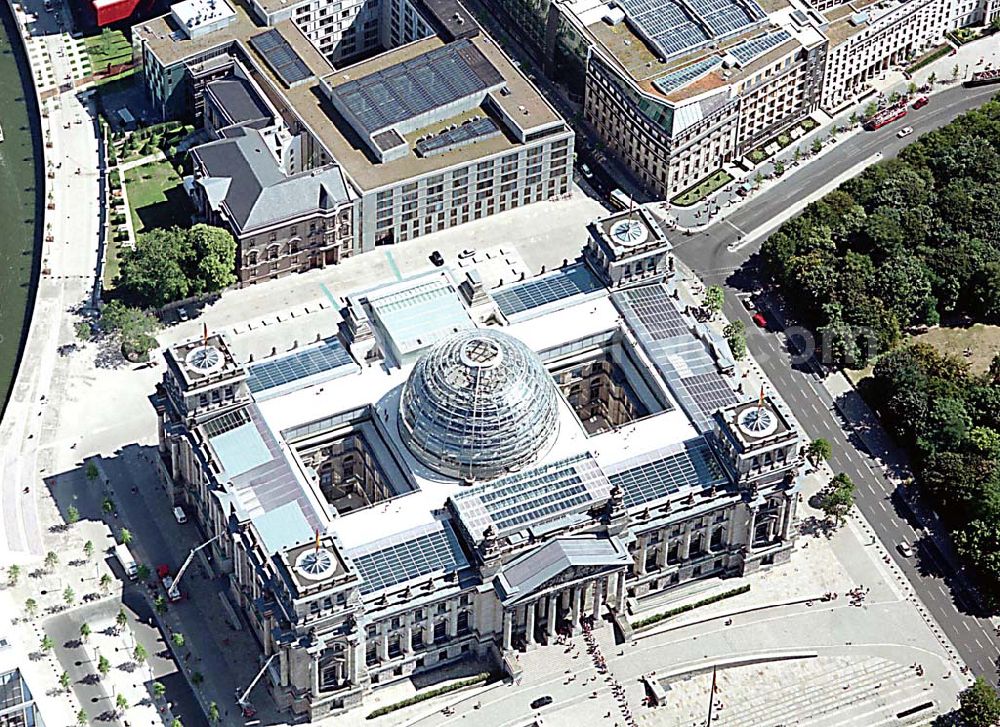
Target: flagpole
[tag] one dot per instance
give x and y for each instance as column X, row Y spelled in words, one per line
column 711, row 698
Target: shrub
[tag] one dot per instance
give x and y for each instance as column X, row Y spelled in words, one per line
column 389, row 708
column 656, row 618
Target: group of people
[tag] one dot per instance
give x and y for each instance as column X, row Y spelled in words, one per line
column 594, row 649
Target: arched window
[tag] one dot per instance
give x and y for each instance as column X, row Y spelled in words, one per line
column 252, row 258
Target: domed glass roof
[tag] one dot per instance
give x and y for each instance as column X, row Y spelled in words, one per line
column 479, row 404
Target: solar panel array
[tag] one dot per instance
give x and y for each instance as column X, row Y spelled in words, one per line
column 662, row 472
column 417, row 86
column 408, row 555
column 755, row 47
column 532, row 497
column 573, row 280
column 725, row 17
column 280, row 56
column 667, row 24
column 270, row 374
column 681, row 358
column 681, row 78
column 462, row 135
column 225, row 423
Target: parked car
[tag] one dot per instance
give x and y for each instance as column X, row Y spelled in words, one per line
column 182, row 314
column 747, row 302
column 180, row 516
column 466, row 253
column 759, row 319
column 921, row 102
column 905, row 131
column 437, row 258
column 905, row 549
column 585, row 171
column 541, row 702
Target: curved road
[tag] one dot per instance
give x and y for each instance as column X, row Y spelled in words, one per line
column 707, row 255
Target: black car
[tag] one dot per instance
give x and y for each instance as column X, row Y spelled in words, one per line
column 541, row 702
column 437, row 258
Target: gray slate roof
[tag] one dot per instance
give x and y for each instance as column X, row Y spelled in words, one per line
column 255, row 190
column 238, row 99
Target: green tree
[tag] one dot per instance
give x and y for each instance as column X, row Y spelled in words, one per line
column 103, row 666
column 817, row 146
column 758, row 179
column 735, row 333
column 72, row 515
column 121, row 703
column 158, row 690
column 178, row 639
column 92, row 472
column 176, row 723
column 65, row 681
column 88, row 549
column 51, row 560
column 47, row 643
column 894, row 97
column 213, row 713
column 82, row 329
column 779, row 167
column 838, row 498
column 714, row 299
column 121, row 619
column 152, row 274
column 871, row 109
column 197, row 678
column 797, row 155
column 82, row 719
column 69, row 595
column 108, row 506
column 819, row 450
column 160, row 604
column 125, row 536
column 911, row 88
column 31, row 607
column 139, row 654
column 13, row 575
column 932, row 79
column 214, row 251
column 134, row 328
column 85, row 631
column 979, row 704
column 853, row 120
column 142, row 572
column 955, row 72
column 105, row 582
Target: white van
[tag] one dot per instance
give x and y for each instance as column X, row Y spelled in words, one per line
column 126, row 561
column 179, row 515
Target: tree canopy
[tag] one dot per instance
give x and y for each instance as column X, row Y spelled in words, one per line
column 173, row 264
column 905, row 242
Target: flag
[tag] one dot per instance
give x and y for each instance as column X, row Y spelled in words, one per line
column 204, row 334
column 760, row 402
column 317, row 539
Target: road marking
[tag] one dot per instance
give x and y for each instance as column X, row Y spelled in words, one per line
column 978, row 644
column 329, row 295
column 392, row 264
column 881, row 504
column 734, row 227
column 967, row 627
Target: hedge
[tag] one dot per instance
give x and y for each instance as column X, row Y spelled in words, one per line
column 472, row 681
column 932, row 56
column 656, row 618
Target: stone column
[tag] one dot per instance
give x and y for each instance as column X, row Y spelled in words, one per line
column 553, row 613
column 786, row 527
column 598, row 598
column 508, row 629
column 640, row 564
column 453, row 622
column 407, row 635
column 383, row 645
column 529, row 626
column 315, row 675
column 686, row 544
column 577, row 605
column 661, row 554
column 429, row 628
column 753, row 527
column 620, row 588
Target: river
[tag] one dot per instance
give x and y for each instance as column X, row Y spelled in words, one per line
column 20, row 201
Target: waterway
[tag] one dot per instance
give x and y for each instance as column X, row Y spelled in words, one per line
column 21, row 183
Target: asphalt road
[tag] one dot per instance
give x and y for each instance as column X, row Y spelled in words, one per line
column 706, row 253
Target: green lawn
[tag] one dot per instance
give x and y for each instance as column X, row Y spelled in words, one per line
column 156, row 197
column 107, row 49
column 715, row 180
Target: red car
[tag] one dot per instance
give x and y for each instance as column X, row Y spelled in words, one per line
column 921, row 102
column 760, row 320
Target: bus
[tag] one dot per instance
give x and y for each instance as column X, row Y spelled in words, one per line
column 886, row 116
column 983, row 78
column 621, row 200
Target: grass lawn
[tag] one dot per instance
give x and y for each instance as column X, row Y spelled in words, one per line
column 107, row 49
column 983, row 340
column 702, row 189
column 156, row 197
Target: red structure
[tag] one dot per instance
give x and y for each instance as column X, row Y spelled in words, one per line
column 885, row 117
column 103, row 13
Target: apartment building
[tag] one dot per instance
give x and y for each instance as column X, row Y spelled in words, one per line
column 313, row 163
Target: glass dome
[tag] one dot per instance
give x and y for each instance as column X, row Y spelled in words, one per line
column 479, row 404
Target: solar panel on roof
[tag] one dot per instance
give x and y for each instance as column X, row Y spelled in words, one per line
column 281, row 57
column 657, row 314
column 754, row 48
column 574, row 280
column 409, row 555
column 666, row 471
column 681, row 78
column 463, row 135
column 675, row 27
column 270, row 374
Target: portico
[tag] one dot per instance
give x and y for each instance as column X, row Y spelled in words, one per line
column 554, row 589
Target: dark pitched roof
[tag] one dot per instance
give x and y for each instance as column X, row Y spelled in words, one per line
column 237, row 98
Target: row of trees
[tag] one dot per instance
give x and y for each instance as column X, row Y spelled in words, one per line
column 903, row 243
column 950, row 419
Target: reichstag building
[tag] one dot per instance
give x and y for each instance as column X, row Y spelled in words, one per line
column 464, row 473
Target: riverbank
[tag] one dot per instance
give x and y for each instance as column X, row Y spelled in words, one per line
column 22, row 202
